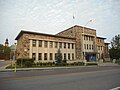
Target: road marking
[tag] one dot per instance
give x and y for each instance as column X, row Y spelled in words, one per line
column 117, row 88
column 66, row 74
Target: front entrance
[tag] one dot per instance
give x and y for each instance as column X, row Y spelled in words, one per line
column 90, row 57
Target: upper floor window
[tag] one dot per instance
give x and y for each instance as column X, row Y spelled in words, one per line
column 64, row 45
column 45, row 44
column 56, row 44
column 34, row 43
column 60, row 45
column 68, row 45
column 72, row 45
column 51, row 44
column 40, row 43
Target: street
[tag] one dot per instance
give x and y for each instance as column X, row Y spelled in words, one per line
column 79, row 78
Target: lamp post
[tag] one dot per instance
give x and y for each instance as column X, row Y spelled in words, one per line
column 15, row 58
column 83, row 53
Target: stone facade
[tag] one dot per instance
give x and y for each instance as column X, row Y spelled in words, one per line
column 86, row 45
column 43, row 47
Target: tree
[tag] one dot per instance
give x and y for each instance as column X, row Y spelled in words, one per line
column 115, row 47
column 4, row 52
column 59, row 58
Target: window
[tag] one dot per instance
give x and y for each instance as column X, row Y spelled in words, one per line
column 40, row 56
column 56, row 45
column 84, row 37
column 51, row 44
column 72, row 45
column 64, row 45
column 60, row 45
column 68, row 45
column 55, row 56
column 34, row 56
column 84, row 46
column 72, row 56
column 68, row 56
column 45, row 56
column 101, row 47
column 51, row 56
column 87, row 46
column 90, row 46
column 34, row 43
column 45, row 44
column 64, row 56
column 40, row 43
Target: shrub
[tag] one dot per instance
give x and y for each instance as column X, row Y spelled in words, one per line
column 27, row 62
column 118, row 62
column 90, row 64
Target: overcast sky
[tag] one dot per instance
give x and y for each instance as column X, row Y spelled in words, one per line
column 53, row 16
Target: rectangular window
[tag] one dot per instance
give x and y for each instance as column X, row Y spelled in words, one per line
column 40, row 56
column 56, row 44
column 84, row 37
column 34, row 43
column 34, row 56
column 87, row 46
column 64, row 56
column 51, row 56
column 68, row 56
column 55, row 56
column 40, row 43
column 45, row 56
column 84, row 46
column 64, row 45
column 90, row 46
column 60, row 45
column 72, row 45
column 68, row 45
column 72, row 56
column 101, row 47
column 45, row 44
column 51, row 44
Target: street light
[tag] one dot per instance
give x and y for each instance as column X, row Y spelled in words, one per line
column 91, row 20
column 15, row 58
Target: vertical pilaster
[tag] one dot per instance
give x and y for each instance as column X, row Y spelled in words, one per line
column 30, row 53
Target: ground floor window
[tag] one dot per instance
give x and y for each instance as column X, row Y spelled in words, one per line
column 40, row 56
column 34, row 56
column 68, row 56
column 45, row 56
column 51, row 56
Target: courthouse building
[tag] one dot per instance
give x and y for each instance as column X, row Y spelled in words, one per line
column 76, row 44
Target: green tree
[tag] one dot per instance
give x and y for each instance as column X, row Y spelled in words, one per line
column 115, row 47
column 4, row 52
column 59, row 58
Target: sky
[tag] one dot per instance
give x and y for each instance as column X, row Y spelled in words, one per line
column 53, row 16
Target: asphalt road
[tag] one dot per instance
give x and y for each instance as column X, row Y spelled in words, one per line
column 81, row 78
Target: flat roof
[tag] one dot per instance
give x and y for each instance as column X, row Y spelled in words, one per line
column 36, row 33
column 101, row 37
column 77, row 26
